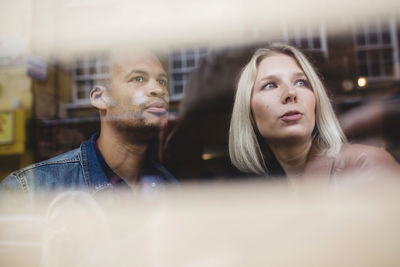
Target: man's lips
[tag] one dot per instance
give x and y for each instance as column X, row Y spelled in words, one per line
column 158, row 108
column 292, row 115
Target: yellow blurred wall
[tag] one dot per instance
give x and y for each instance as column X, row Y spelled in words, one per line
column 15, row 84
column 16, row 96
column 15, row 88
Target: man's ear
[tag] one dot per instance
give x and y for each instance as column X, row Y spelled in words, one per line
column 99, row 97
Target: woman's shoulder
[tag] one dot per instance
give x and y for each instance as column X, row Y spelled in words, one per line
column 365, row 151
column 364, row 157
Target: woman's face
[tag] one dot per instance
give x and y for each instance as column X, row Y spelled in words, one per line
column 282, row 101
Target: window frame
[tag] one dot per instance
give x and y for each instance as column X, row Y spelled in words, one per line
column 101, row 65
column 379, row 47
column 309, row 28
column 183, row 55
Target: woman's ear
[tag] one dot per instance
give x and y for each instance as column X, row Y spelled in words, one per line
column 99, row 97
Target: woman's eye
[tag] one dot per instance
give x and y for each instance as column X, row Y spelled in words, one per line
column 269, row 86
column 302, row 83
column 163, row 82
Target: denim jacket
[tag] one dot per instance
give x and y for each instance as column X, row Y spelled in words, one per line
column 78, row 169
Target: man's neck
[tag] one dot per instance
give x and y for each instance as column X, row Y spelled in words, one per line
column 123, row 157
column 291, row 156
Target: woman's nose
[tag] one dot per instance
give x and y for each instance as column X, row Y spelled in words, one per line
column 289, row 94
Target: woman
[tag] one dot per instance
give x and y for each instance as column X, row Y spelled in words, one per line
column 283, row 122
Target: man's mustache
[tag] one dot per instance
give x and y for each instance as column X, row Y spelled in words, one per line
column 128, row 116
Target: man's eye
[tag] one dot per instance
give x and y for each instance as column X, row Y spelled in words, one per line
column 163, row 82
column 269, row 85
column 302, row 83
column 137, row 79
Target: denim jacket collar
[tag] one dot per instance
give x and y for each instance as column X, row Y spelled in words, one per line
column 92, row 170
column 97, row 180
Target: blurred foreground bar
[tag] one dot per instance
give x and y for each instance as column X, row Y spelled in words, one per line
column 212, row 224
column 71, row 26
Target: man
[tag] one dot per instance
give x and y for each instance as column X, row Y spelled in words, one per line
column 131, row 111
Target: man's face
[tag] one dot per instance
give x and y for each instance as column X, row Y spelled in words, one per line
column 139, row 91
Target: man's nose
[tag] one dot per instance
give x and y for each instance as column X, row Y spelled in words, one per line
column 155, row 89
column 289, row 94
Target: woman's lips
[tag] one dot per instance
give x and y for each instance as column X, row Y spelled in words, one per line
column 291, row 116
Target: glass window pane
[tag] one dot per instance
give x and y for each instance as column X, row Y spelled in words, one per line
column 386, row 39
column 178, row 89
column 177, row 77
column 190, row 52
column 363, row 69
column 373, row 38
column 375, row 69
column 362, row 57
column 373, row 32
column 360, row 39
column 292, row 41
column 177, row 64
column 82, row 94
column 316, row 42
column 190, row 62
column 374, row 56
column 79, row 71
column 388, row 69
column 304, row 43
column 387, row 55
column 80, row 84
column 92, row 70
column 89, row 84
column 375, row 63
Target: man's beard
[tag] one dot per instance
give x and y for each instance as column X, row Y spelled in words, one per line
column 137, row 130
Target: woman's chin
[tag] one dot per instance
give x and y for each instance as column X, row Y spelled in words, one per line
column 291, row 137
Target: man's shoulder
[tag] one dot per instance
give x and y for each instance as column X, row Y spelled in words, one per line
column 72, row 156
column 45, row 173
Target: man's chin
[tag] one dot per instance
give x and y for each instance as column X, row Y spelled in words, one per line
column 139, row 131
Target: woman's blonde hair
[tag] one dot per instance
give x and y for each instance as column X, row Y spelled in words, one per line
column 244, row 147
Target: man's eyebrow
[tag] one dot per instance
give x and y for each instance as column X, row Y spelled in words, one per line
column 162, row 75
column 135, row 72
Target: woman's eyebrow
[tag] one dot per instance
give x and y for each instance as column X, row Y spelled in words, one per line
column 163, row 75
column 299, row 74
column 268, row 77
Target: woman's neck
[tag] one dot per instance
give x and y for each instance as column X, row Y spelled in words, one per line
column 291, row 156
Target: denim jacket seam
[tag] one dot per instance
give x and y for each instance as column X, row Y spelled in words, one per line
column 22, row 182
column 47, row 163
column 102, row 187
column 83, row 161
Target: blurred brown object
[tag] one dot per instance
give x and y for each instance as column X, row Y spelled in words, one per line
column 197, row 145
column 374, row 123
